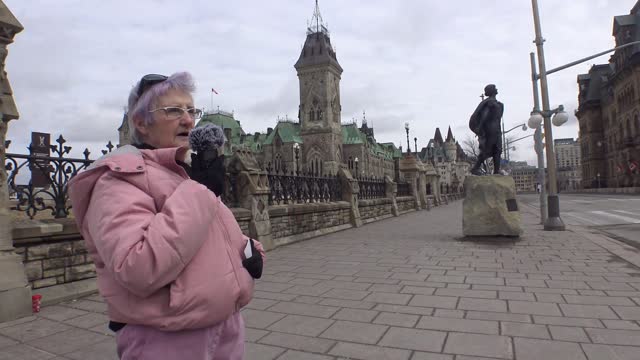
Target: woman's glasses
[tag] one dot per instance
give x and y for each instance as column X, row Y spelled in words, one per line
column 175, row 113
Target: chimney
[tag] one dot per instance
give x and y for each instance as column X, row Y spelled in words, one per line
column 269, row 131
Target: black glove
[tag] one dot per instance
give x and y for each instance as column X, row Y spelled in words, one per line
column 254, row 263
column 207, row 168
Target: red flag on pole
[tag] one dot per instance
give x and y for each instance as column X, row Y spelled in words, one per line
column 214, row 91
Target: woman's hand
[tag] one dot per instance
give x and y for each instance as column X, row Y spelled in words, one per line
column 253, row 264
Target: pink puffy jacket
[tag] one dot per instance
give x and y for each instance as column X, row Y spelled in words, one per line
column 168, row 253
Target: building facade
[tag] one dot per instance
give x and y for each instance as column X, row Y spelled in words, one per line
column 448, row 159
column 568, row 163
column 318, row 142
column 609, row 112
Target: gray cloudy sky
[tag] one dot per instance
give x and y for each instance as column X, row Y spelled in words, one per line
column 423, row 62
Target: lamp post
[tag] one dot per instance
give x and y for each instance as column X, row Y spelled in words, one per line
column 508, row 145
column 356, row 161
column 505, row 140
column 296, row 149
column 553, row 221
column 406, row 128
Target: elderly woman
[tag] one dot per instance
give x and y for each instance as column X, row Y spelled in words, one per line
column 169, row 254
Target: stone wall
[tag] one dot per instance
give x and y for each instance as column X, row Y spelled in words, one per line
column 53, row 252
column 375, row 209
column 406, row 204
column 288, row 220
column 243, row 216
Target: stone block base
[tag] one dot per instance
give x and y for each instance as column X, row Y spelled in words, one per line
column 490, row 207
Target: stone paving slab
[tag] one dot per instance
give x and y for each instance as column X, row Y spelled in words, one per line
column 407, row 288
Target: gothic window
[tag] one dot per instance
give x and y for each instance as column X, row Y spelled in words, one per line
column 278, row 162
column 315, row 114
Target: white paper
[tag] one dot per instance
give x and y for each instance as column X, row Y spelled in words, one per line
column 247, row 250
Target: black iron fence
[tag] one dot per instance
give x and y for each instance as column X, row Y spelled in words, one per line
column 301, row 187
column 55, row 172
column 404, row 189
column 371, row 188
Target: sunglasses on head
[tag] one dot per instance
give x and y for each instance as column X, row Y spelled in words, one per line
column 148, row 81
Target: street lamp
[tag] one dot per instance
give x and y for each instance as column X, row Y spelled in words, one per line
column 504, row 138
column 296, row 149
column 406, row 128
column 509, row 142
column 356, row 161
column 553, row 221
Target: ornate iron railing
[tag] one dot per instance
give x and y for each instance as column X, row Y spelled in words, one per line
column 404, row 189
column 371, row 188
column 301, row 187
column 57, row 171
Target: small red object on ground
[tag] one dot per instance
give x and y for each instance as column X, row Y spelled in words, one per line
column 35, row 302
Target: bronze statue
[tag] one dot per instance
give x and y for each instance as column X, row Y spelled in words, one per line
column 485, row 122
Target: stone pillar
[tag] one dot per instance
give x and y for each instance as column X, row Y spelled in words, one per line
column 350, row 191
column 422, row 190
column 15, row 293
column 253, row 193
column 391, row 192
column 409, row 167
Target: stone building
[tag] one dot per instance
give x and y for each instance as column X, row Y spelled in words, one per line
column 448, row 158
column 526, row 178
column 568, row 163
column 318, row 142
column 609, row 112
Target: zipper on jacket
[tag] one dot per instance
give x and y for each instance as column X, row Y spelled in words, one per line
column 230, row 247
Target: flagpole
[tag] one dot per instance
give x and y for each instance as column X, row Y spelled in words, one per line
column 211, row 99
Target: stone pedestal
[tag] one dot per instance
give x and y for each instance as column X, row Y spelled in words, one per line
column 490, row 207
column 15, row 292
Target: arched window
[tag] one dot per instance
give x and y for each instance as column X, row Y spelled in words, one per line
column 278, row 162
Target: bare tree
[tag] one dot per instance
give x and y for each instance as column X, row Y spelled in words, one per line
column 471, row 146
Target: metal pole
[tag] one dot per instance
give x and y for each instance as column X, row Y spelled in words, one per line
column 553, row 221
column 591, row 57
column 537, row 137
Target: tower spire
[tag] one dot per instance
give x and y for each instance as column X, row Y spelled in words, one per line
column 317, row 18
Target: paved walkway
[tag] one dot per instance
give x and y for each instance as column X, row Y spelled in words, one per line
column 407, row 288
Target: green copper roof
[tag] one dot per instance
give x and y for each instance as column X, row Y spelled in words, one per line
column 289, row 132
column 391, row 147
column 226, row 121
column 352, row 135
column 255, row 142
